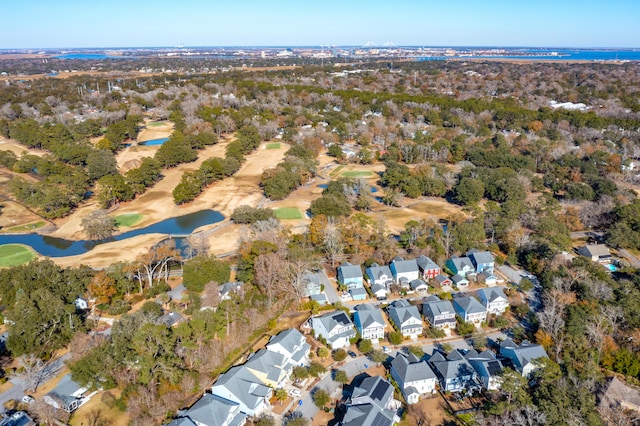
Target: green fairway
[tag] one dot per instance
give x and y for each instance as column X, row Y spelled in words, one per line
column 157, row 124
column 358, row 173
column 288, row 213
column 128, row 219
column 15, row 254
column 274, row 145
column 25, row 228
column 335, row 171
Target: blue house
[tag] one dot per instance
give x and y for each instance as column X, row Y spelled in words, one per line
column 483, row 261
column 350, row 275
column 460, row 265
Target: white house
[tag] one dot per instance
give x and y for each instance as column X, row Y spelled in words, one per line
column 241, row 386
column 211, row 410
column 292, row 345
column 406, row 318
column 470, row 310
column 494, row 299
column 379, row 275
column 335, row 327
column 404, row 271
column 487, row 367
column 414, row 377
column 369, row 322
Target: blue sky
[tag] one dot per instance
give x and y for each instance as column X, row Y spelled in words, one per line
column 125, row 23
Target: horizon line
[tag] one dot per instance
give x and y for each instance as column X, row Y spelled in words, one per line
column 323, row 46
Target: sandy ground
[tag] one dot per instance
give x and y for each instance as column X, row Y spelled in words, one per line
column 18, row 149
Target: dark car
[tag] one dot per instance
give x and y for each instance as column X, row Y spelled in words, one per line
column 352, row 354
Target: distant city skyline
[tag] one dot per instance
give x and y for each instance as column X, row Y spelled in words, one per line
column 41, row 24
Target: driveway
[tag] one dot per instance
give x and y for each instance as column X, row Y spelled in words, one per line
column 329, row 287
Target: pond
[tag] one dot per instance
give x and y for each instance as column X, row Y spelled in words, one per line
column 59, row 247
column 153, row 142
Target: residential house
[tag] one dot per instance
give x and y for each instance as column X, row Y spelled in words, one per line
column 454, row 371
column 428, row 268
column 443, row 281
column 227, row 289
column 404, row 271
column 170, row 319
column 368, row 414
column 67, row 395
column 241, row 386
column 483, row 261
column 19, row 418
column 470, row 310
column 414, row 377
column 293, row 345
column 369, row 322
column 460, row 265
column 523, row 356
column 271, row 368
column 350, row 275
column 439, row 313
column 487, row 367
column 596, row 252
column 406, row 318
column 494, row 299
column 358, row 293
column 375, row 391
column 311, row 284
column 211, row 410
column 617, row 397
column 379, row 275
column 380, row 291
column 335, row 327
column 487, row 278
column 460, row 280
column 419, row 285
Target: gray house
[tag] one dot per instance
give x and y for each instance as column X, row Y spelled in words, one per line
column 335, row 327
column 311, row 284
column 470, row 310
column 404, row 271
column 439, row 313
column 369, row 322
column 523, row 356
column 241, row 386
column 406, row 318
column 67, row 396
column 487, row 367
column 379, row 275
column 211, row 410
column 414, row 377
column 350, row 275
column 454, row 371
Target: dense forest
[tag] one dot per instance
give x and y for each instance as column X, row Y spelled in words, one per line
column 483, row 136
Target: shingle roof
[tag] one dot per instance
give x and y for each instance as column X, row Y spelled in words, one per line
column 522, row 354
column 350, row 271
column 478, row 257
column 455, row 365
column 289, row 339
column 370, row 318
column 401, row 311
column 375, row 272
column 211, row 410
column 367, row 415
column 437, row 308
column 244, row 385
column 415, row 284
column 412, row 371
column 470, row 305
column 400, row 265
column 426, row 263
column 375, row 390
column 492, row 294
column 461, row 262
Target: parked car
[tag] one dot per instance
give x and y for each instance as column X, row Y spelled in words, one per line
column 386, row 349
column 27, row 399
column 295, row 393
column 352, row 354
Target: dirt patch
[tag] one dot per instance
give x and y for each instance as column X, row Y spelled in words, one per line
column 17, row 148
column 112, row 416
column 427, row 208
column 155, row 130
column 433, row 409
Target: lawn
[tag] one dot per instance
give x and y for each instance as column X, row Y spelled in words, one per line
column 128, row 219
column 157, row 124
column 288, row 213
column 335, row 171
column 358, row 173
column 15, row 254
column 274, row 145
column 26, row 228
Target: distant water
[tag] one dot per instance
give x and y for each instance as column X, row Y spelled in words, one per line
column 87, row 56
column 554, row 54
column 153, row 142
column 59, row 247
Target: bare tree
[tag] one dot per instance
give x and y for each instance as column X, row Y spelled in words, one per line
column 197, row 244
column 210, row 295
column 332, row 240
column 98, row 225
column 269, row 270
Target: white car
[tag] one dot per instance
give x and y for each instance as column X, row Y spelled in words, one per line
column 295, row 393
